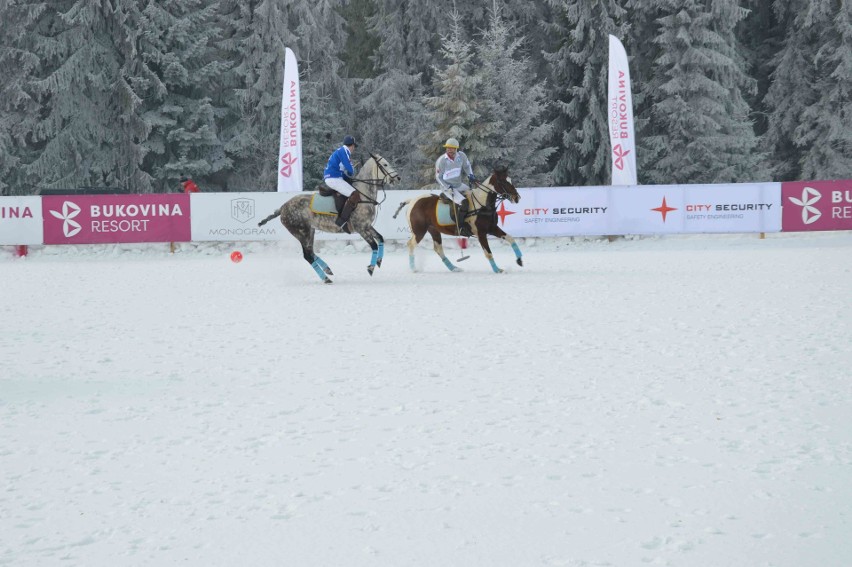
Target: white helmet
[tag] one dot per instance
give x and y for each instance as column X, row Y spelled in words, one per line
column 451, row 143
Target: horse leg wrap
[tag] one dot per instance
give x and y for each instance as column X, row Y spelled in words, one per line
column 448, row 264
column 374, row 257
column 381, row 250
column 494, row 266
column 323, row 265
column 411, row 263
column 318, row 269
column 516, row 249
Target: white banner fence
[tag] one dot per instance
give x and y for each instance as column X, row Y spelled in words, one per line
column 541, row 212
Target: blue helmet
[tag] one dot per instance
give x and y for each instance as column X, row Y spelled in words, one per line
column 349, row 141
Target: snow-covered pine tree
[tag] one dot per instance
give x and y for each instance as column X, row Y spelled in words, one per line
column 759, row 35
column 828, row 140
column 453, row 108
column 17, row 64
column 88, row 129
column 512, row 106
column 391, row 116
column 641, row 52
column 579, row 61
column 328, row 106
column 809, row 101
column 254, row 36
column 183, row 102
column 699, row 124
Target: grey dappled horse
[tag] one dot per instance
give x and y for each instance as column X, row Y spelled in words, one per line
column 296, row 215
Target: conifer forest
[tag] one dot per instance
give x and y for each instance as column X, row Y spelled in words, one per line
column 135, row 94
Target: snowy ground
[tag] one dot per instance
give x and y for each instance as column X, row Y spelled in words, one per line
column 680, row 401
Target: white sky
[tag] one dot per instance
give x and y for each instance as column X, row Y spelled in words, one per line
column 680, row 401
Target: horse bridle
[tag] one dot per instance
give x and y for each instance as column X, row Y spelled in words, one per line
column 378, row 182
column 500, row 197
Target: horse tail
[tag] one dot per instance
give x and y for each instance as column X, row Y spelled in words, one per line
column 270, row 217
column 401, row 205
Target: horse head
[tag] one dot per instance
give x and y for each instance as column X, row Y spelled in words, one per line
column 502, row 183
column 378, row 170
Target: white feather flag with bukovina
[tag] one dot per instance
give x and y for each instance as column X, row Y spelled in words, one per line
column 620, row 110
column 290, row 148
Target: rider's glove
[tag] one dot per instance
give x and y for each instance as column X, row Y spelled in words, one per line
column 471, row 178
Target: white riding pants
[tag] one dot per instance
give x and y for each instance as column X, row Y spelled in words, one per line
column 457, row 194
column 340, row 185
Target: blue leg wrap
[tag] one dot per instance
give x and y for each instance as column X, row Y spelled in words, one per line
column 381, row 250
column 447, row 263
column 516, row 249
column 374, row 257
column 411, row 263
column 321, row 262
column 494, row 265
column 318, row 269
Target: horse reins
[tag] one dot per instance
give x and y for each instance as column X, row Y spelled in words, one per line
column 379, row 182
column 500, row 197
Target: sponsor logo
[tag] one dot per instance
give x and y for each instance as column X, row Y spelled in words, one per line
column 70, row 210
column 288, row 161
column 619, row 154
column 810, row 196
column 503, row 212
column 15, row 213
column 664, row 209
column 242, row 210
column 723, row 211
column 560, row 214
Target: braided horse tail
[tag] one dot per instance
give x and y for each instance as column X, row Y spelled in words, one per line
column 270, row 217
column 401, row 206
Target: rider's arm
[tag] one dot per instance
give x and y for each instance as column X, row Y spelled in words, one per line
column 439, row 173
column 345, row 164
column 466, row 166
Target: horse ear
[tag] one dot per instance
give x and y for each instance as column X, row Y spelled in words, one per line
column 501, row 168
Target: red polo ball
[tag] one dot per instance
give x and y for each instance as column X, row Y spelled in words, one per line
column 236, row 256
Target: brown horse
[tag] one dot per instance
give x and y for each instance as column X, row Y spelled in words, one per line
column 425, row 216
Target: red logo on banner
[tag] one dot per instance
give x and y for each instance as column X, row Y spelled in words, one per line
column 503, row 213
column 288, row 162
column 664, row 209
column 620, row 154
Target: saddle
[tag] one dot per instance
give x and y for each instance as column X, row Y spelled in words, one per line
column 445, row 210
column 327, row 193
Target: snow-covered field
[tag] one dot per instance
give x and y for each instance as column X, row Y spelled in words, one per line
column 681, row 401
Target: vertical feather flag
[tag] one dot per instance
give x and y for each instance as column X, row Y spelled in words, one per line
column 290, row 148
column 620, row 110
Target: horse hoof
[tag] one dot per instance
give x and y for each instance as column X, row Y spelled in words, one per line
column 456, row 269
column 327, row 280
column 370, row 269
column 327, row 270
column 520, row 262
column 379, row 263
